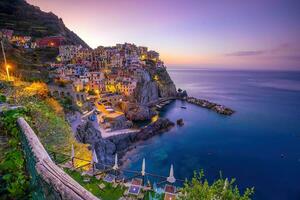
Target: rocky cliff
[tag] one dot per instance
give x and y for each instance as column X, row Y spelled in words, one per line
column 29, row 20
column 108, row 147
column 146, row 91
column 166, row 86
column 155, row 84
column 140, row 113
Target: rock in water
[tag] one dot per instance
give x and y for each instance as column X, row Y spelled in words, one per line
column 180, row 122
column 182, row 94
column 159, row 126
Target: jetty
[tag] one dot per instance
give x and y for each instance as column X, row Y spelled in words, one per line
column 223, row 110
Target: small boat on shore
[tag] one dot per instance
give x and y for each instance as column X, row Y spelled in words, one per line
column 158, row 106
column 183, row 107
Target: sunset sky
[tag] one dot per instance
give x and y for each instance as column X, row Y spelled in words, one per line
column 258, row 34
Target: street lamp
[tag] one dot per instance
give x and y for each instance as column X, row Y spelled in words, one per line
column 7, row 66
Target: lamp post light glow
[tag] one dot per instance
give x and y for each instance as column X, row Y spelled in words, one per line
column 7, row 66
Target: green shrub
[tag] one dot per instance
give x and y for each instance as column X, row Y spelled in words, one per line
column 199, row 189
column 2, row 98
column 66, row 103
column 14, row 181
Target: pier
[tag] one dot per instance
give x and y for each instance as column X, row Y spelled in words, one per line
column 210, row 105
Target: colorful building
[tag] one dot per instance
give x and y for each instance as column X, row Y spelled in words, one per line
column 53, row 41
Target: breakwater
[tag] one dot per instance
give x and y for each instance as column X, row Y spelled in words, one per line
column 223, row 110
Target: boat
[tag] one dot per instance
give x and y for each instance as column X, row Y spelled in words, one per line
column 183, row 107
column 158, row 106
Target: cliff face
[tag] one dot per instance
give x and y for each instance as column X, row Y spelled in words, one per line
column 147, row 91
column 29, row 20
column 106, row 148
column 140, row 112
column 155, row 84
column 166, row 86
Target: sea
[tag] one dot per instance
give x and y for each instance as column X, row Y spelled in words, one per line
column 259, row 145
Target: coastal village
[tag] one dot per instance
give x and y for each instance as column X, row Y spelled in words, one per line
column 103, row 79
column 149, row 100
column 110, row 89
column 107, row 86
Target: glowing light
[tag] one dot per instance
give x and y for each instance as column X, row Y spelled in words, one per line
column 7, row 66
column 143, row 57
column 77, row 88
column 111, row 88
column 79, row 103
column 154, row 118
column 36, row 88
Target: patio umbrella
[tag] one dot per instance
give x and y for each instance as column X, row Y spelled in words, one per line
column 115, row 167
column 94, row 157
column 171, row 178
column 225, row 184
column 72, row 154
column 94, row 160
column 143, row 167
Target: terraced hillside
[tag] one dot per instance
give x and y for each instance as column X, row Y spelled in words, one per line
column 26, row 19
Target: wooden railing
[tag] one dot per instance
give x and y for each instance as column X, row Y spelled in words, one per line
column 54, row 176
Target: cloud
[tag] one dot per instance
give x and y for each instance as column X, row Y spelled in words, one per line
column 285, row 51
column 282, row 48
column 290, row 57
column 246, row 53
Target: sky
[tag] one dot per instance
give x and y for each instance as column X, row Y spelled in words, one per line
column 256, row 34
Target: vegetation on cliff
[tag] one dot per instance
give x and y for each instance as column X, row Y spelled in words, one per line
column 28, row 20
column 29, row 64
column 14, row 180
column 46, row 117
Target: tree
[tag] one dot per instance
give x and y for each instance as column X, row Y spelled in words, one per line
column 222, row 189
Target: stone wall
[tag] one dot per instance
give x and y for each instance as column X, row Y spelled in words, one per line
column 67, row 91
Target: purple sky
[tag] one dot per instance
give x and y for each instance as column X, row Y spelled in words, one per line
column 258, row 34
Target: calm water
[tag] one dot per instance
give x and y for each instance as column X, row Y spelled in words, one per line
column 259, row 145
